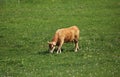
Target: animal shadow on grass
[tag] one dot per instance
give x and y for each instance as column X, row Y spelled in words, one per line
column 45, row 52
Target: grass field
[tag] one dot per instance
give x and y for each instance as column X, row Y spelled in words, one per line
column 27, row 25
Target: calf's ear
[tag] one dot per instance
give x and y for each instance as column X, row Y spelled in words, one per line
column 49, row 42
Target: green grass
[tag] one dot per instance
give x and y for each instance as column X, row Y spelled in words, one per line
column 26, row 26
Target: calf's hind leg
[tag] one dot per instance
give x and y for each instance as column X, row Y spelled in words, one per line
column 76, row 45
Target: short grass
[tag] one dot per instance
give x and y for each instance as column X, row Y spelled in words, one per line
column 27, row 25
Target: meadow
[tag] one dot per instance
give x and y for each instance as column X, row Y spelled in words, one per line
column 27, row 25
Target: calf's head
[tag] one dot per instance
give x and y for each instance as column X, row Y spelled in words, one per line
column 51, row 46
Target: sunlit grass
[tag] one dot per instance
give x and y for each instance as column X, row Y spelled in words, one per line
column 26, row 26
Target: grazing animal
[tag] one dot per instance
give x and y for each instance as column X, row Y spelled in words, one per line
column 64, row 35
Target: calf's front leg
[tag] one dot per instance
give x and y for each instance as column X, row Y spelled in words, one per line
column 59, row 47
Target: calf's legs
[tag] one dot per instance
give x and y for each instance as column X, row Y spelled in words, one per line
column 59, row 47
column 76, row 45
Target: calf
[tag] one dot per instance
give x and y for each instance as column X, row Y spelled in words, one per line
column 64, row 35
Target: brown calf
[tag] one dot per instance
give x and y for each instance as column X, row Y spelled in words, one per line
column 64, row 35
